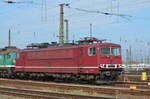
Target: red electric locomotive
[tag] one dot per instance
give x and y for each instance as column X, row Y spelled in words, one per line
column 89, row 60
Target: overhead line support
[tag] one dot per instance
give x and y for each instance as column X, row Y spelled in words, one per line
column 61, row 26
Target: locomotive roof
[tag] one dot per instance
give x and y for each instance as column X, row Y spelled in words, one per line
column 8, row 49
column 72, row 46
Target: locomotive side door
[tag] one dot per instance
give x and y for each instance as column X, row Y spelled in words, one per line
column 20, row 61
column 81, row 59
column 88, row 59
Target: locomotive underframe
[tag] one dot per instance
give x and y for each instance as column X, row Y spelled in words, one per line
column 106, row 75
column 7, row 72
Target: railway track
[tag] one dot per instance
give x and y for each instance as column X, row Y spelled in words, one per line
column 132, row 78
column 130, row 85
column 109, row 90
column 36, row 94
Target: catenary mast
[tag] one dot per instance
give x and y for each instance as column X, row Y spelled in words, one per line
column 61, row 26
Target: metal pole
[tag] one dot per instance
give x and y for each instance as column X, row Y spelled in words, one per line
column 61, row 27
column 127, row 56
column 130, row 53
column 9, row 38
column 67, row 31
column 90, row 30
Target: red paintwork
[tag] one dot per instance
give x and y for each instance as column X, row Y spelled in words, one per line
column 65, row 59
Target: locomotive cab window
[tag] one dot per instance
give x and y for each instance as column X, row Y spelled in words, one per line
column 91, row 51
column 115, row 51
column 105, row 50
column 8, row 56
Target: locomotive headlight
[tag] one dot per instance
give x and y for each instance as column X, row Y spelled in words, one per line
column 14, row 61
column 120, row 66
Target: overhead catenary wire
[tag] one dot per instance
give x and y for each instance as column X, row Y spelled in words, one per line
column 111, row 7
column 18, row 2
column 50, row 7
column 133, row 3
column 117, row 6
column 104, row 13
column 116, row 13
column 84, row 11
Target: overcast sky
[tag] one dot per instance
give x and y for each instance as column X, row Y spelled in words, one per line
column 39, row 21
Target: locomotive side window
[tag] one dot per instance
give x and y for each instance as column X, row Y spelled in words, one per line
column 110, row 51
column 81, row 52
column 8, row 56
column 91, row 51
column 115, row 51
column 105, row 50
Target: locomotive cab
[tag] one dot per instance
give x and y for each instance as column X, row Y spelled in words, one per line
column 101, row 58
column 110, row 56
column 110, row 61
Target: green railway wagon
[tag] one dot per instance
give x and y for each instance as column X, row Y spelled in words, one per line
column 2, row 58
column 8, row 59
column 7, row 64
